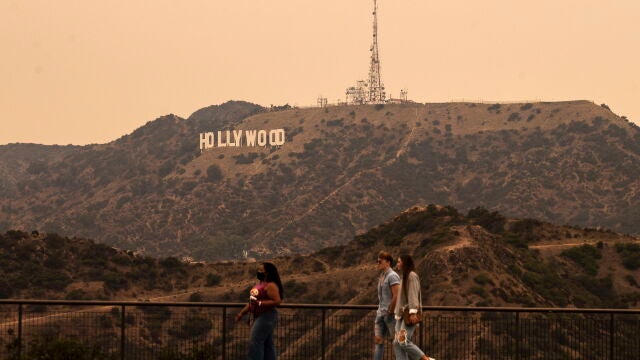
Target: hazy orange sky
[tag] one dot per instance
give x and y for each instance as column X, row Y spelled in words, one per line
column 90, row 71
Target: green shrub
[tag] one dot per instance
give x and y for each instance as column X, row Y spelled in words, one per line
column 77, row 294
column 586, row 256
column 483, row 279
column 166, row 168
column 630, row 254
column 170, row 263
column 54, row 262
column 392, row 240
column 337, row 122
column 366, row 239
column 295, row 289
column 6, row 290
column 515, row 240
column 492, row 221
column 480, row 291
column 514, row 117
column 194, row 326
column 115, row 282
column 54, row 241
column 244, row 159
column 38, row 167
column 214, row 174
column 195, row 297
column 121, row 259
column 62, row 349
column 213, row 279
column 526, row 228
column 49, row 279
column 494, row 107
column 631, row 280
column 105, row 322
column 602, row 288
column 159, row 314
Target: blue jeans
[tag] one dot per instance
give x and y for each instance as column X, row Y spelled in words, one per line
column 405, row 350
column 384, row 325
column 261, row 341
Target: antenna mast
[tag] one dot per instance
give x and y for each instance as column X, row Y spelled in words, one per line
column 376, row 88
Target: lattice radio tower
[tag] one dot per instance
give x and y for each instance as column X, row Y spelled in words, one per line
column 376, row 87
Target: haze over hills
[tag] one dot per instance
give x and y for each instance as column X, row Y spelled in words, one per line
column 342, row 170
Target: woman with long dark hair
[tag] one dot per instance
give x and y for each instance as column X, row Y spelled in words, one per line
column 410, row 300
column 264, row 297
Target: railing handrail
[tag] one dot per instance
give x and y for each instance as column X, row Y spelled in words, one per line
column 314, row 306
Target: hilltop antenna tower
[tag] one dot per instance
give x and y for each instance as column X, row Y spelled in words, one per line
column 370, row 91
column 376, row 88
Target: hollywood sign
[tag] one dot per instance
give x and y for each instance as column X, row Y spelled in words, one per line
column 239, row 138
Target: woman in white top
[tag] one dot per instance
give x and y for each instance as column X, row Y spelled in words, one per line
column 409, row 298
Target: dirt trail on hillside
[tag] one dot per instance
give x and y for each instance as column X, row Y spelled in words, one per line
column 573, row 244
column 462, row 240
column 404, row 146
column 402, row 149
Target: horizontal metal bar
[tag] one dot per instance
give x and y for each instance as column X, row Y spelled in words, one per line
column 314, row 306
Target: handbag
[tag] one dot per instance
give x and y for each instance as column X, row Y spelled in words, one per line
column 406, row 316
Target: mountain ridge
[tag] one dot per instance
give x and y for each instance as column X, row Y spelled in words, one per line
column 342, row 170
column 476, row 259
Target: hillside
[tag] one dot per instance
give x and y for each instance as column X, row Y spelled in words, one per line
column 342, row 170
column 19, row 161
column 478, row 259
column 481, row 259
column 49, row 266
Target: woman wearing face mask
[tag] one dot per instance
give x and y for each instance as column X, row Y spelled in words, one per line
column 263, row 299
column 410, row 299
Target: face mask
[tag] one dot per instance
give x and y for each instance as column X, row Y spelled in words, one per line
column 261, row 276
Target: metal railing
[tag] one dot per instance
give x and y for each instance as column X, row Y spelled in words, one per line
column 31, row 329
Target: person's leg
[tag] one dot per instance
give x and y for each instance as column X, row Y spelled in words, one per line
column 379, row 330
column 404, row 336
column 400, row 336
column 390, row 322
column 269, row 346
column 262, row 329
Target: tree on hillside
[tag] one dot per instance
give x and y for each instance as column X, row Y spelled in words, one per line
column 214, row 174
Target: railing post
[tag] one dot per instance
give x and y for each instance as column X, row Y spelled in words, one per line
column 122, row 333
column 323, row 341
column 417, row 335
column 224, row 333
column 518, row 337
column 612, row 330
column 19, row 331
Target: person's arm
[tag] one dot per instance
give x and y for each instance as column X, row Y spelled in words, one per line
column 243, row 311
column 414, row 293
column 274, row 296
column 394, row 297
